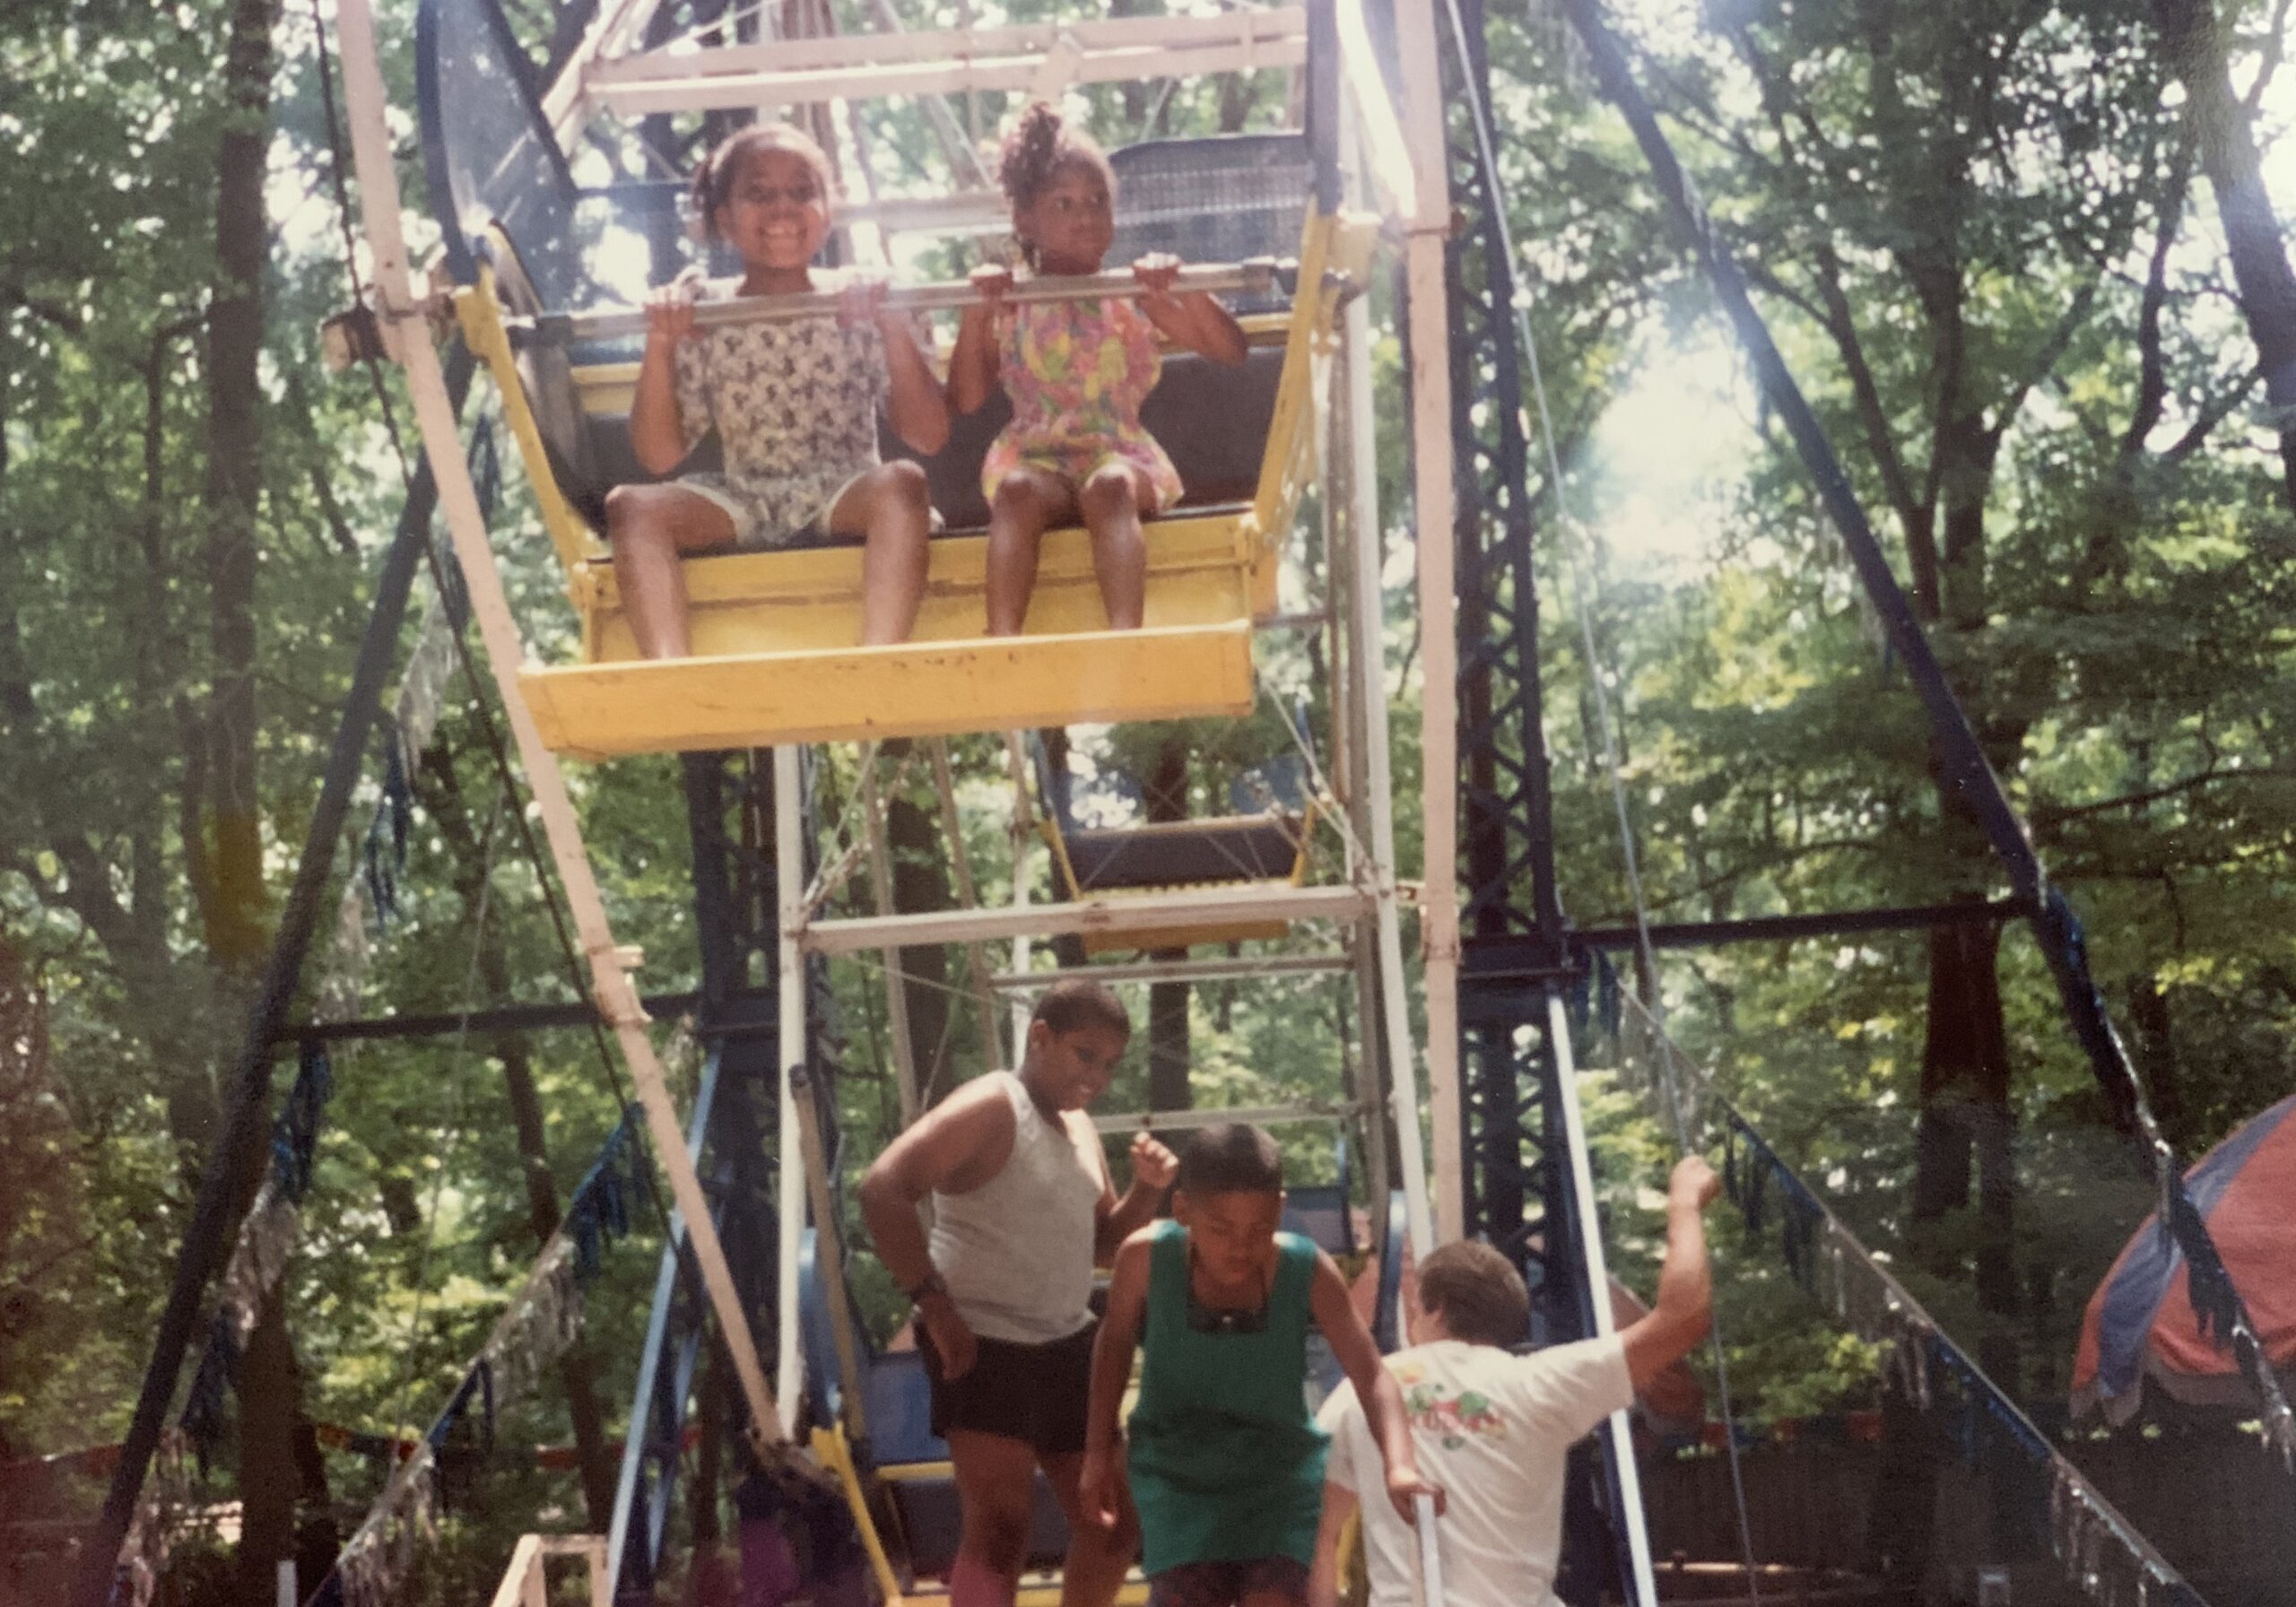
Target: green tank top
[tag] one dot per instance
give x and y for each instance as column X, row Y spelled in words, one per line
column 1227, row 1465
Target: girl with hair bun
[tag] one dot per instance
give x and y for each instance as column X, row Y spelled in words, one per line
column 1076, row 373
column 794, row 404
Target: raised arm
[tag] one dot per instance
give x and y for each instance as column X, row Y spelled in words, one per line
column 913, row 400
column 1195, row 319
column 1375, row 1386
column 656, row 432
column 1119, row 1336
column 1685, row 1308
column 958, row 1145
column 1153, row 1167
column 972, row 364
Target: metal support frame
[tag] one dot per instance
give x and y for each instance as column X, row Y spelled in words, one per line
column 406, row 334
column 1527, row 1183
column 1144, row 912
column 1433, row 494
column 728, row 796
column 1041, row 59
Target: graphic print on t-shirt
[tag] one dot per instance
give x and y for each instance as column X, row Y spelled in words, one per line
column 1451, row 1418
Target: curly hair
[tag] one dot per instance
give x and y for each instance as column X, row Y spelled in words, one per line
column 1041, row 143
column 713, row 180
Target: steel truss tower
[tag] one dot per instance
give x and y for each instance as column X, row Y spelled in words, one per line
column 1519, row 1189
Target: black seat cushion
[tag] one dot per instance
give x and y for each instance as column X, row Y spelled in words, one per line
column 1251, row 848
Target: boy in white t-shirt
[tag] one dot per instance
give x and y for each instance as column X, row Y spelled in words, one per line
column 1493, row 1429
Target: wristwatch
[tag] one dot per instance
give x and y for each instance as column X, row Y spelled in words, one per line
column 929, row 1284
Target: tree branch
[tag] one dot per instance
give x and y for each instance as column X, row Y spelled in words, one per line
column 2058, row 815
column 2152, row 379
column 44, row 308
column 2210, row 416
column 2275, row 39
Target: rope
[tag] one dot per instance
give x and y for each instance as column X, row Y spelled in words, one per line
column 1646, row 953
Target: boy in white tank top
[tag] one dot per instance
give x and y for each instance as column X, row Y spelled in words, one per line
column 1023, row 1209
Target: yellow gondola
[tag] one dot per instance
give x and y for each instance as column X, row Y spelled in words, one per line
column 774, row 632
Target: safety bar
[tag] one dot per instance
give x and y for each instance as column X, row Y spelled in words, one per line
column 1255, row 275
column 1187, row 1121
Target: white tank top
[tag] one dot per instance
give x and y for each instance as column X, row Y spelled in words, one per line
column 1016, row 1253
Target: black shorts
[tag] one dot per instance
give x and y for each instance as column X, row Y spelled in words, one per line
column 1036, row 1393
column 1227, row 1584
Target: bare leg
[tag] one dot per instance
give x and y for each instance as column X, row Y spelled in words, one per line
column 1098, row 1558
column 651, row 528
column 891, row 506
column 1028, row 502
column 1112, row 501
column 996, row 1489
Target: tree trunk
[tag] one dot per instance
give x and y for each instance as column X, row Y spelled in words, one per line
column 269, row 1382
column 271, row 1481
column 1165, row 798
column 920, row 883
column 235, row 932
column 1965, row 1140
column 2193, row 43
column 2156, row 1057
column 442, row 796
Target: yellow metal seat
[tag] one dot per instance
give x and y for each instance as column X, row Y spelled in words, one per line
column 775, row 633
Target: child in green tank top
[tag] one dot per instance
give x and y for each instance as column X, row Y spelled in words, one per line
column 1227, row 1466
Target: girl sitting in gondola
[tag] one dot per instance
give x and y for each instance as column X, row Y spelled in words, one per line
column 794, row 404
column 1076, row 373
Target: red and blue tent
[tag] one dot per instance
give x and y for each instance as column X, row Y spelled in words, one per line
column 2140, row 1323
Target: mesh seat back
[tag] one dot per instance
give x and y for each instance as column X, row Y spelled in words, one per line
column 1222, row 198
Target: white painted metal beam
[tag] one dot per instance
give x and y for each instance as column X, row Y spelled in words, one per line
column 618, row 21
column 946, row 48
column 1433, row 506
column 1039, row 59
column 408, row 335
column 1598, row 1291
column 1112, row 917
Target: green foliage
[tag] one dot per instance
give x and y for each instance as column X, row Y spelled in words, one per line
column 1981, row 185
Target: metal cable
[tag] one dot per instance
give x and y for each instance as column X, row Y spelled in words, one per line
column 1479, row 111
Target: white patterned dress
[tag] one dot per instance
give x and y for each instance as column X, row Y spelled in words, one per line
column 794, row 408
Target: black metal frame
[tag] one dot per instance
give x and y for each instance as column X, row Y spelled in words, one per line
column 1518, row 1189
column 729, row 817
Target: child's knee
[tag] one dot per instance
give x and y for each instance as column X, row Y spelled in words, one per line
column 998, row 1538
column 630, row 518
column 903, row 485
column 1018, row 498
column 1108, row 489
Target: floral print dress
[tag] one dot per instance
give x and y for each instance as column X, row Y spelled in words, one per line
column 1076, row 373
column 794, row 408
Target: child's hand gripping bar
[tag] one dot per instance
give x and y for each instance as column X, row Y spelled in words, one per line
column 1255, row 275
